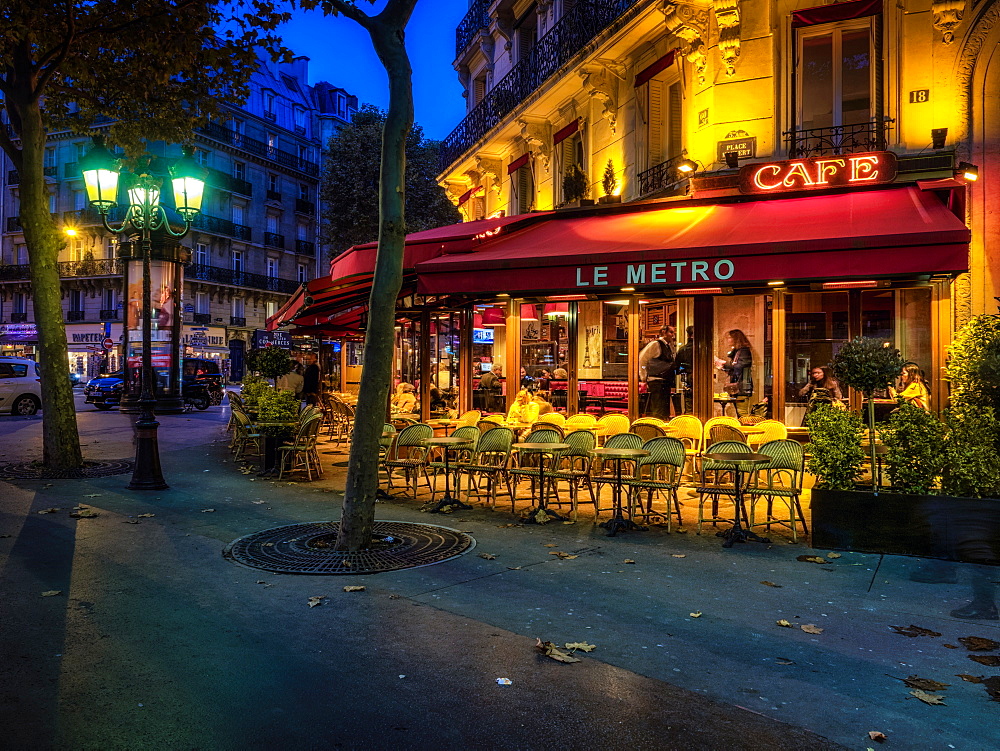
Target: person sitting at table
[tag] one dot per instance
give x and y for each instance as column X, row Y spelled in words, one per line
column 821, row 377
column 543, row 380
column 560, row 373
column 523, row 410
column 912, row 387
column 527, row 382
column 404, row 400
column 541, row 399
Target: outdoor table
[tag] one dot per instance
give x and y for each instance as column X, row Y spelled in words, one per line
column 271, row 444
column 738, row 460
column 443, row 424
column 533, row 447
column 448, row 443
column 618, row 521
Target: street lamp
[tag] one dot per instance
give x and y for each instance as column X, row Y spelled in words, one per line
column 102, row 172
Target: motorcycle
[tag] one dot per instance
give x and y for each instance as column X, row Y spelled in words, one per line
column 196, row 396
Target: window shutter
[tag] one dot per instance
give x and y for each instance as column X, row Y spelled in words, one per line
column 524, row 189
column 655, row 139
column 675, row 134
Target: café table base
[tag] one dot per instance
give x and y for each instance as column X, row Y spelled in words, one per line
column 531, row 515
column 737, row 533
column 447, row 502
column 620, row 524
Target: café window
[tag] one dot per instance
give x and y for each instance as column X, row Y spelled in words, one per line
column 835, row 74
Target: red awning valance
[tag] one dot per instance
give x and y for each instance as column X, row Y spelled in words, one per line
column 864, row 234
column 648, row 72
column 836, row 12
column 563, row 133
column 518, row 163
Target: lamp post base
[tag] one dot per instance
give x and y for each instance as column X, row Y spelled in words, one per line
column 147, row 474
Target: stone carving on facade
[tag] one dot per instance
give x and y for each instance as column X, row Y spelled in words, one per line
column 727, row 18
column 538, row 135
column 961, row 292
column 503, row 22
column 600, row 80
column 490, row 167
column 688, row 21
column 455, row 191
column 947, row 17
column 463, row 78
column 487, row 45
column 971, row 54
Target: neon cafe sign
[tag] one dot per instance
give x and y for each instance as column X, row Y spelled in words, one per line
column 816, row 173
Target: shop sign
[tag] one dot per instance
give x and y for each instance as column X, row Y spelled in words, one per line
column 204, row 337
column 263, row 338
column 849, row 170
column 745, row 148
column 18, row 332
column 665, row 272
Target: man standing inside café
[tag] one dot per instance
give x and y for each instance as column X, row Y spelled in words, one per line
column 656, row 368
column 310, row 379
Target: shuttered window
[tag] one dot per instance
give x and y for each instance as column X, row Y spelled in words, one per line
column 664, row 121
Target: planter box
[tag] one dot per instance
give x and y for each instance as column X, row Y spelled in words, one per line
column 929, row 526
column 610, row 199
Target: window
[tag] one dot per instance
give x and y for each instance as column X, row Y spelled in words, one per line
column 303, row 191
column 81, row 149
column 238, row 307
column 22, row 255
column 20, row 303
column 76, row 301
column 110, row 247
column 523, row 186
column 302, row 274
column 835, row 75
column 269, row 105
column 238, row 260
column 50, row 157
column 300, row 120
column 663, row 121
column 272, row 144
column 272, row 183
column 238, row 213
column 570, row 155
column 526, row 34
column 79, row 199
column 75, row 247
column 52, row 203
column 201, row 254
column 270, row 309
column 478, row 89
column 302, row 231
column 110, row 300
column 272, row 267
column 240, row 170
column 201, row 303
column 342, row 105
column 272, row 223
column 303, row 153
column 201, row 156
column 237, row 125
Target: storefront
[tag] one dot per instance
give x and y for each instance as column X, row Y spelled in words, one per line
column 88, row 355
column 569, row 300
column 18, row 340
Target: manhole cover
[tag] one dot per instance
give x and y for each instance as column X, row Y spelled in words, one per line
column 307, row 548
column 36, row 471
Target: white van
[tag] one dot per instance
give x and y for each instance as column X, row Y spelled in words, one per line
column 20, row 386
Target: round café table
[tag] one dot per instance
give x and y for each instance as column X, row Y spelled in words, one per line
column 447, row 444
column 618, row 521
column 740, row 461
column 543, row 450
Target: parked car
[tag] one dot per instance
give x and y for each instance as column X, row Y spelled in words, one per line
column 105, row 392
column 201, row 378
column 20, row 386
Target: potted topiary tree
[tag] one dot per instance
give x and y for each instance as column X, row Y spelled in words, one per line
column 609, row 183
column 270, row 362
column 575, row 188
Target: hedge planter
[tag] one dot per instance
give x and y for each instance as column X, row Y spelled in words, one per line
column 929, row 526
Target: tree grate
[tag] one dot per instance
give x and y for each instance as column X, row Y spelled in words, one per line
column 308, row 548
column 38, row 471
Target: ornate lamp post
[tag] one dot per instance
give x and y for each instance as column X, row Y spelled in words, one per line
column 102, row 171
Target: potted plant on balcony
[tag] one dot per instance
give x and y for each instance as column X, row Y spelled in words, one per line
column 575, row 188
column 610, row 183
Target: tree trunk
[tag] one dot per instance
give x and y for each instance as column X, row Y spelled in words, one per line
column 60, row 438
column 362, row 470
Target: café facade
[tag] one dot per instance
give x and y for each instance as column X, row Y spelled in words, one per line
column 799, row 255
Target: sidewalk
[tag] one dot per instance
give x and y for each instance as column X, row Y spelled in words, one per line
column 221, row 656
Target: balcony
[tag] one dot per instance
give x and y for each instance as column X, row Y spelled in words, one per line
column 662, row 176
column 302, row 206
column 221, row 226
column 237, row 321
column 51, row 170
column 565, row 39
column 305, row 248
column 18, row 317
column 838, row 139
column 274, row 240
column 271, row 116
column 13, row 224
column 202, row 318
column 300, row 130
column 109, row 315
column 273, row 195
column 259, row 148
column 477, row 18
column 13, row 177
column 75, row 315
column 92, row 267
column 234, row 278
column 230, row 183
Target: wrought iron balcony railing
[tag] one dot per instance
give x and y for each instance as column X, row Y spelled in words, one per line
column 273, row 195
column 661, row 176
column 237, row 321
column 477, row 18
column 838, row 139
column 564, row 40
column 274, row 240
column 305, row 248
column 219, row 179
column 259, row 148
column 13, row 177
column 18, row 317
column 91, row 267
column 202, row 318
column 303, row 206
column 220, row 226
column 236, row 278
column 14, row 224
column 75, row 315
column 51, row 170
column 109, row 315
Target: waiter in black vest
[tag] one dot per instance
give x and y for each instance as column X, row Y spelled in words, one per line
column 656, row 368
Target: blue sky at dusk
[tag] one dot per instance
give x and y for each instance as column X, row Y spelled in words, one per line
column 340, row 52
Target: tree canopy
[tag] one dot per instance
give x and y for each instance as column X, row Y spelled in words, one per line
column 350, row 186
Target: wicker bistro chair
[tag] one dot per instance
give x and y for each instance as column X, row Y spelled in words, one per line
column 490, row 461
column 660, row 472
column 717, row 479
column 712, row 422
column 301, row 452
column 774, row 430
column 579, row 422
column 647, row 431
column 244, row 433
column 527, row 464
column 553, row 418
column 471, row 417
column 485, row 425
column 689, row 431
column 235, row 402
column 604, row 472
column 612, row 424
column 385, row 444
column 409, row 453
column 720, row 433
column 574, row 468
column 543, row 425
column 781, row 478
column 460, row 454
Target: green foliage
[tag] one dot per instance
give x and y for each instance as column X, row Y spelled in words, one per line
column 350, row 185
column 270, row 362
column 278, row 406
column 971, row 468
column 252, row 388
column 835, row 447
column 574, row 184
column 973, row 367
column 609, row 182
column 916, row 453
column 867, row 364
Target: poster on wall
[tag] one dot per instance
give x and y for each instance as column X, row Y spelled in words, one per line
column 162, row 283
column 589, row 354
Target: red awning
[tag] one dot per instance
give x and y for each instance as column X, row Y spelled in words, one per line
column 836, row 12
column 676, row 244
column 647, row 73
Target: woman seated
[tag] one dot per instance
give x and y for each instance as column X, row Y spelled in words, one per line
column 541, row 399
column 912, row 387
column 524, row 410
column 821, row 377
column 404, row 400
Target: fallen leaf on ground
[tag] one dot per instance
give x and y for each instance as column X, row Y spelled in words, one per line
column 927, row 698
column 784, row 661
column 130, row 521
column 811, row 629
column 317, row 600
column 950, row 646
column 833, row 555
column 48, row 511
column 629, row 560
column 990, row 661
column 678, row 555
column 257, row 503
column 924, row 684
column 695, row 615
column 912, row 630
column 811, row 559
column 266, row 584
column 970, row 678
column 92, row 495
column 581, row 645
column 771, row 584
column 784, row 623
column 84, row 514
column 563, row 556
column 876, row 736
column 354, row 589
column 549, row 649
column 978, row 643
column 992, row 685
column 145, row 516
column 513, row 568
column 549, row 545
column 51, row 593
column 207, row 510
column 487, row 556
